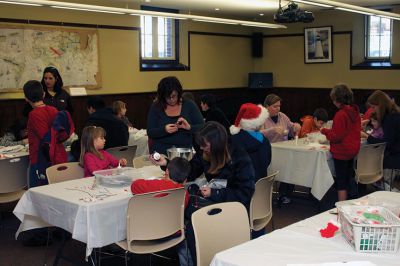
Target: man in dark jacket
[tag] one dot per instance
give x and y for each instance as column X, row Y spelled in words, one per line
column 208, row 104
column 116, row 130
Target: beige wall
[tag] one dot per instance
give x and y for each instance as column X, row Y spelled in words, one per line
column 220, row 61
column 216, row 61
column 284, row 56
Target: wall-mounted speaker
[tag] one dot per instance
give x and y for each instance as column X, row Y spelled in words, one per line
column 257, row 44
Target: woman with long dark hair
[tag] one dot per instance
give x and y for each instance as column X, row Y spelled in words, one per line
column 219, row 162
column 171, row 120
column 55, row 95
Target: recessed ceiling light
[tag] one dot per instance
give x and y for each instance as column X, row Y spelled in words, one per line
column 147, row 1
column 216, row 9
column 261, row 14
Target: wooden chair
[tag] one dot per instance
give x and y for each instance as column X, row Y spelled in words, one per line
column 261, row 203
column 127, row 152
column 64, row 172
column 218, row 227
column 154, row 221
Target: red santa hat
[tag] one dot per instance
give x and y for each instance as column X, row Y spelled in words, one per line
column 250, row 117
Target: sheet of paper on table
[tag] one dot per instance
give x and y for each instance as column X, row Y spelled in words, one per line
column 347, row 263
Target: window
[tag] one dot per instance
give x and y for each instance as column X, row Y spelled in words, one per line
column 157, row 38
column 378, row 38
column 159, row 42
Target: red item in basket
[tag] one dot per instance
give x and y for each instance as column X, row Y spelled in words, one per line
column 329, row 231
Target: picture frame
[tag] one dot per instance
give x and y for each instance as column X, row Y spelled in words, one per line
column 318, row 45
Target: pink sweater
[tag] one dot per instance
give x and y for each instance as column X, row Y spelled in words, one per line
column 93, row 163
column 270, row 125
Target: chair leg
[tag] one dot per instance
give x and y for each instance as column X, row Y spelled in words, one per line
column 126, row 258
column 47, row 247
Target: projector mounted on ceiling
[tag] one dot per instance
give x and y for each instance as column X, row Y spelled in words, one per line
column 293, row 14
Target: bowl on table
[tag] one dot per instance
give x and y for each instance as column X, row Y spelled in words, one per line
column 186, row 153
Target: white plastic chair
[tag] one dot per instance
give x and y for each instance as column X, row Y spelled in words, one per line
column 64, row 172
column 369, row 163
column 261, row 203
column 218, row 227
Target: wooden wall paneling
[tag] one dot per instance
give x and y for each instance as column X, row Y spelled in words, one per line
column 296, row 102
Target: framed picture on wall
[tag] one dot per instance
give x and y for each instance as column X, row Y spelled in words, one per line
column 318, row 45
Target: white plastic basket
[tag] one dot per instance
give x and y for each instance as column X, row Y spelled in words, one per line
column 370, row 238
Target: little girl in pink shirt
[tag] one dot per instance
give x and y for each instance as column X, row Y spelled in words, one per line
column 93, row 157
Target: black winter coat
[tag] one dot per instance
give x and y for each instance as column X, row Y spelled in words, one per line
column 239, row 173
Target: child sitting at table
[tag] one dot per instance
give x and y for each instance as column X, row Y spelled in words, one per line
column 17, row 134
column 176, row 173
column 344, row 137
column 93, row 157
column 313, row 123
column 375, row 135
column 119, row 109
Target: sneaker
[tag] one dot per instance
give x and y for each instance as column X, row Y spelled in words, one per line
column 285, row 200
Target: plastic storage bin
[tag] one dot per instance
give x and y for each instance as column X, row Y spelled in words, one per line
column 116, row 177
column 370, row 238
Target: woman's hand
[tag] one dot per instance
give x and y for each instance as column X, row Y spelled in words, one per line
column 183, row 123
column 161, row 162
column 205, row 191
column 171, row 128
column 25, row 141
column 279, row 130
column 122, row 162
column 296, row 127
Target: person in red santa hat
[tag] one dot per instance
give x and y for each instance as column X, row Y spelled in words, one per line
column 246, row 134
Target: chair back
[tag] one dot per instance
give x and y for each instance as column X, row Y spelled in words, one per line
column 154, row 220
column 141, row 161
column 369, row 163
column 127, row 152
column 218, row 227
column 261, row 202
column 13, row 178
column 64, row 172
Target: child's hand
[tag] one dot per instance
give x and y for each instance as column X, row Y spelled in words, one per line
column 205, row 191
column 122, row 162
column 364, row 135
column 161, row 162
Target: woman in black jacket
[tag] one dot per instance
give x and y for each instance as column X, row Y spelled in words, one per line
column 219, row 161
column 55, row 95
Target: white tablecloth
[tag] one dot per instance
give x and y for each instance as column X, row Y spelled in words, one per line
column 66, row 205
column 302, row 243
column 139, row 139
column 306, row 165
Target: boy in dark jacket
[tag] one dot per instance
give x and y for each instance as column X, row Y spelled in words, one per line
column 344, row 137
column 245, row 134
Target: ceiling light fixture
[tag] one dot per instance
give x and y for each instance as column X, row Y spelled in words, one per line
column 19, row 3
column 311, row 3
column 136, row 12
column 351, row 8
column 89, row 10
column 354, row 11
